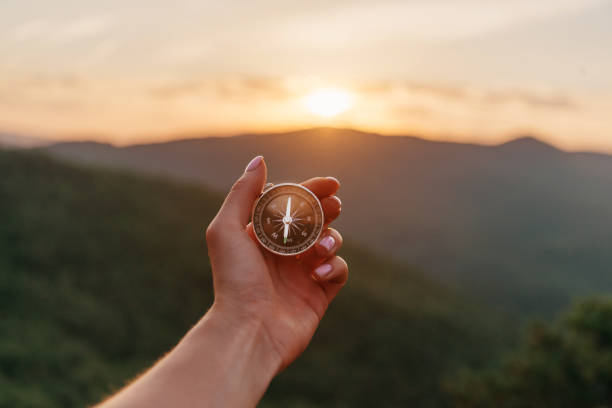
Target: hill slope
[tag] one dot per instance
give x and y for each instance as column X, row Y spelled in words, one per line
column 521, row 225
column 102, row 272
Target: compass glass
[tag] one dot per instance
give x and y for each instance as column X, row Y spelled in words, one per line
column 287, row 219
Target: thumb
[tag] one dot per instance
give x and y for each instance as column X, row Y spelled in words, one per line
column 236, row 210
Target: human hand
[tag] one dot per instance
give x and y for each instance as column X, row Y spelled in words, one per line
column 286, row 297
column 266, row 309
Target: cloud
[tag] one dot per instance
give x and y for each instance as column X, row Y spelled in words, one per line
column 58, row 31
column 439, row 90
column 81, row 28
column 227, row 88
column 255, row 87
column 465, row 94
column 531, row 99
column 101, row 51
column 403, row 110
column 184, row 52
column 390, row 86
column 435, row 21
column 178, row 88
column 29, row 29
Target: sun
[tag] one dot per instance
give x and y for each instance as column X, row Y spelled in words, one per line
column 328, row 102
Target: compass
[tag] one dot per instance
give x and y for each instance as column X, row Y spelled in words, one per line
column 287, row 219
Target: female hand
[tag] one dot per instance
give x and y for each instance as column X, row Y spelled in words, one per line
column 286, row 296
column 265, row 312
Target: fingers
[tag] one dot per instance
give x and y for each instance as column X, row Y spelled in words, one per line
column 328, row 244
column 331, row 208
column 332, row 275
column 236, row 210
column 322, row 186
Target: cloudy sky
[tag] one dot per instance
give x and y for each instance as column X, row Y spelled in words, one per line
column 469, row 70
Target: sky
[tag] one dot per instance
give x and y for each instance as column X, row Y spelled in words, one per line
column 479, row 71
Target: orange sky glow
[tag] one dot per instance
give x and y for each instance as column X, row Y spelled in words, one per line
column 476, row 71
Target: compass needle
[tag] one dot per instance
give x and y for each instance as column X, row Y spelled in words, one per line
column 288, row 212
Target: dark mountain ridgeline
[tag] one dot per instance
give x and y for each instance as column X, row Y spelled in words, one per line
column 522, row 225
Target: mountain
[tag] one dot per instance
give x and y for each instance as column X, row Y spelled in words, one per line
column 14, row 140
column 101, row 272
column 523, row 225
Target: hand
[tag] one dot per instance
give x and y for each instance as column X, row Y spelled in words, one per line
column 285, row 296
column 266, row 310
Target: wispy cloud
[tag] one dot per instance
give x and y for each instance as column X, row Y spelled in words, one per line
column 369, row 22
column 227, row 88
column 470, row 94
column 81, row 28
column 29, row 29
column 532, row 99
column 59, row 31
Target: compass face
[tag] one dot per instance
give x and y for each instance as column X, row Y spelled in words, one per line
column 287, row 219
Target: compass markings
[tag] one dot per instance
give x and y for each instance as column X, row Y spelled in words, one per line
column 289, row 221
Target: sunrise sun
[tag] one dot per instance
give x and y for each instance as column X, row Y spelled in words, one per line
column 328, row 102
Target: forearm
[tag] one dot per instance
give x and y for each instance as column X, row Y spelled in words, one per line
column 219, row 363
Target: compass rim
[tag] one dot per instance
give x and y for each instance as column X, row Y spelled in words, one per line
column 319, row 207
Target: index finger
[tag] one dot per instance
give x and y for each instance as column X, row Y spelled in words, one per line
column 322, row 186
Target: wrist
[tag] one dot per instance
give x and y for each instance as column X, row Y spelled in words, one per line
column 245, row 325
column 243, row 352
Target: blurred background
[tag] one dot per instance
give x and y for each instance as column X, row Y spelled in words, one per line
column 472, row 139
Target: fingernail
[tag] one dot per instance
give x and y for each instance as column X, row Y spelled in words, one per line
column 328, row 242
column 323, row 270
column 333, row 178
column 338, row 200
column 253, row 164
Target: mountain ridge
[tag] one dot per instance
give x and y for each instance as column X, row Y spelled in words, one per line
column 518, row 139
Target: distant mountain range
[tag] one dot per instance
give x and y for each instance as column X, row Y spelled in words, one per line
column 13, row 140
column 522, row 225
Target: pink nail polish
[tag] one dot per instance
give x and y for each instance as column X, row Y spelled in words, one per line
column 253, row 164
column 323, row 270
column 328, row 242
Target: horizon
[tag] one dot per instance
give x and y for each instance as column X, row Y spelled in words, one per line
column 28, row 141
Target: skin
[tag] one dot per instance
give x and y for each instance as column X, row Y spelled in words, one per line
column 266, row 309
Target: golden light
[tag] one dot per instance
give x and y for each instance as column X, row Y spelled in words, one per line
column 328, row 102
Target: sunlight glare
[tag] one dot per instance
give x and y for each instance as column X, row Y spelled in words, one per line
column 328, row 102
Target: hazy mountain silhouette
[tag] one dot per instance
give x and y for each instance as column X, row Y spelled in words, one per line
column 12, row 140
column 523, row 224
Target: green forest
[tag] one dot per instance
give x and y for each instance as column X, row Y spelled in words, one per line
column 102, row 272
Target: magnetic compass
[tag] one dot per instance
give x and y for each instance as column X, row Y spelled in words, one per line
column 287, row 219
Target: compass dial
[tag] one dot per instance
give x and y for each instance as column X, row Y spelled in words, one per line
column 287, row 219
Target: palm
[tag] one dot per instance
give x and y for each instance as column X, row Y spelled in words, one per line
column 280, row 292
column 300, row 304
